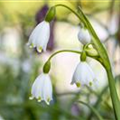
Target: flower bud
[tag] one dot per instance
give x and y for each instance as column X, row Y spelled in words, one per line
column 84, row 36
column 91, row 51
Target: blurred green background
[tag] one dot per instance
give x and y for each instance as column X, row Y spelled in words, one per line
column 19, row 65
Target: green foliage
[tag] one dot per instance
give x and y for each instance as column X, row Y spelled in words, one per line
column 15, row 82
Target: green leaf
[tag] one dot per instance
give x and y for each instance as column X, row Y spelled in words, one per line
column 92, row 109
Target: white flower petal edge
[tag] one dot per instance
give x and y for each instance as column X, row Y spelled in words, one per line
column 83, row 75
column 40, row 36
column 84, row 36
column 42, row 88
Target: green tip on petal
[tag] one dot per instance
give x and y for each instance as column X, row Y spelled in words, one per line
column 31, row 98
column 48, row 101
column 39, row 99
column 32, row 45
column 39, row 49
column 78, row 84
column 90, row 83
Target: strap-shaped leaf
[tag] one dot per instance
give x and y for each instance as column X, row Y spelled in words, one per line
column 93, row 110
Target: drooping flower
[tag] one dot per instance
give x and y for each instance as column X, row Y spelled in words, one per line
column 40, row 15
column 83, row 75
column 42, row 88
column 40, row 36
column 84, row 36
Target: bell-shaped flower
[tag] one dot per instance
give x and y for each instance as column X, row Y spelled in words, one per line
column 84, row 36
column 42, row 88
column 40, row 36
column 83, row 75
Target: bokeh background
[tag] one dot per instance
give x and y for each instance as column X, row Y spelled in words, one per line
column 19, row 65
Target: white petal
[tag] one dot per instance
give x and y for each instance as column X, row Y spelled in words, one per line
column 34, row 34
column 47, row 90
column 38, row 86
column 90, row 77
column 79, row 76
column 88, row 74
column 43, row 36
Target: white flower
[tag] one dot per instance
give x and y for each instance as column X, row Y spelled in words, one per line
column 40, row 36
column 83, row 75
column 84, row 36
column 42, row 88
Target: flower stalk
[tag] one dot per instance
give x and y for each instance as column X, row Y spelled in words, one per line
column 103, row 58
column 73, row 51
column 92, row 109
column 100, row 56
column 83, row 56
column 115, row 100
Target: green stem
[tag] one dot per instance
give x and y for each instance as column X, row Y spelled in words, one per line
column 98, row 45
column 106, row 63
column 61, row 5
column 96, row 41
column 115, row 100
column 104, row 58
column 98, row 101
column 60, row 51
column 72, row 51
column 92, row 109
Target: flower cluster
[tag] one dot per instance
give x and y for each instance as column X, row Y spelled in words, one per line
column 83, row 75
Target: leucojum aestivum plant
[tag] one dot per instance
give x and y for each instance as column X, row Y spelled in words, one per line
column 83, row 75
